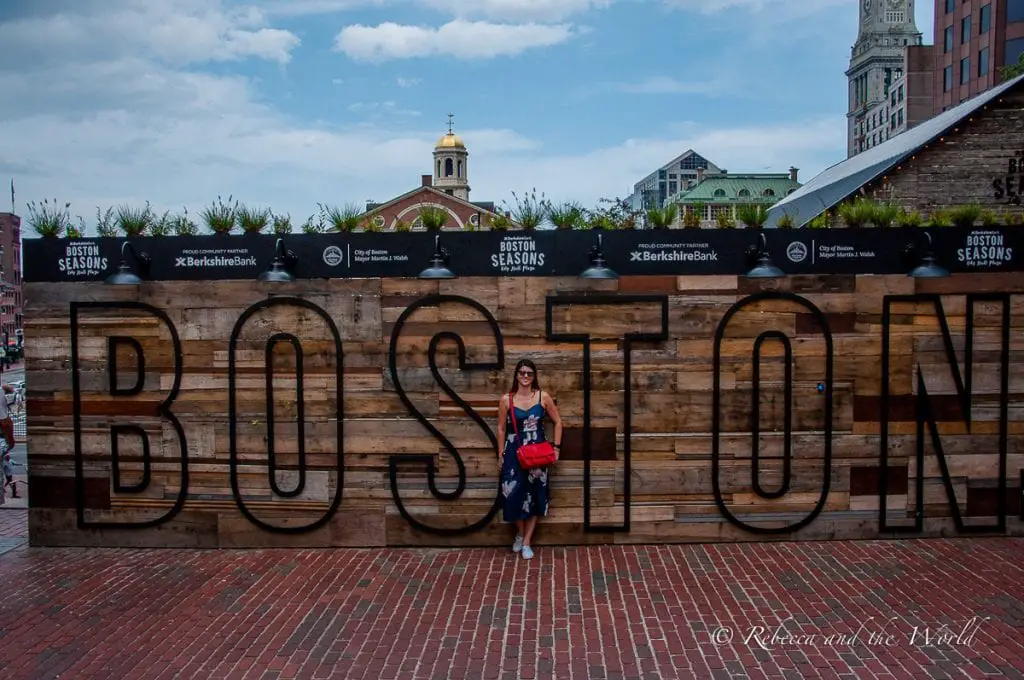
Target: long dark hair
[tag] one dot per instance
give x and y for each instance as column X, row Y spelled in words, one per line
column 515, row 375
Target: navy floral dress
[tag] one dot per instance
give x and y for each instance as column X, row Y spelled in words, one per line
column 525, row 492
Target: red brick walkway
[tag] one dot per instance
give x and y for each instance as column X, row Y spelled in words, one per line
column 599, row 612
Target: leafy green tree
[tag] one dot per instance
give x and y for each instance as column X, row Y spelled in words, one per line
column 1013, row 70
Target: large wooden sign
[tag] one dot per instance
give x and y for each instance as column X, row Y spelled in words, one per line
column 362, row 411
column 356, row 406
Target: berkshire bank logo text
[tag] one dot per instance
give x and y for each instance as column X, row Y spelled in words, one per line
column 673, row 256
column 219, row 258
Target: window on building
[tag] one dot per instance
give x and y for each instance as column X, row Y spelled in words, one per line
column 950, row 6
column 965, row 70
column 888, row 80
column 892, row 121
column 693, row 162
column 743, row 193
column 894, row 17
column 965, row 30
column 899, row 117
column 900, row 94
column 1014, row 11
column 719, row 193
column 985, row 19
column 983, row 61
column 449, row 167
column 1014, row 48
column 947, row 44
column 768, row 193
column 673, row 187
column 717, row 210
column 947, row 79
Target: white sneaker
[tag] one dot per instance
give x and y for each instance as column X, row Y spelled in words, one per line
column 527, row 553
column 517, row 545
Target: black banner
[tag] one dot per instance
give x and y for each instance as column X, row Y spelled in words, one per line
column 677, row 252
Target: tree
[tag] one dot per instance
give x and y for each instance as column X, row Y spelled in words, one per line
column 1013, row 70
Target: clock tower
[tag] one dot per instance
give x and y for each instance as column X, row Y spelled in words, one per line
column 886, row 28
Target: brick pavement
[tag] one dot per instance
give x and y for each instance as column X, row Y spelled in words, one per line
column 595, row 612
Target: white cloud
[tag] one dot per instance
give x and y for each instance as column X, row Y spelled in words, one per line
column 409, row 82
column 174, row 31
column 777, row 9
column 657, row 85
column 337, row 81
column 516, row 10
column 210, row 135
column 130, row 121
column 458, row 38
column 381, row 108
column 810, row 144
column 312, row 7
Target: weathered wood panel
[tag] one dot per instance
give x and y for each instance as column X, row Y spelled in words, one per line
column 672, row 490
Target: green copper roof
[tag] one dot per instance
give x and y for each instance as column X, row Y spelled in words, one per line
column 732, row 185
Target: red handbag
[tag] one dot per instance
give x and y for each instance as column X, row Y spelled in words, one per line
column 538, row 454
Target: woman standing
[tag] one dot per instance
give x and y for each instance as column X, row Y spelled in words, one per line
column 525, row 492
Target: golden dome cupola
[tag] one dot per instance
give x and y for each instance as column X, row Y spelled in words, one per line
column 451, row 164
column 450, row 141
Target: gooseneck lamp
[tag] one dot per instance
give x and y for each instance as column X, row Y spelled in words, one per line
column 598, row 268
column 765, row 268
column 438, row 268
column 125, row 276
column 283, row 260
column 928, row 266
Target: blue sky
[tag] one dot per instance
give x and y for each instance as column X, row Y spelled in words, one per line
column 287, row 103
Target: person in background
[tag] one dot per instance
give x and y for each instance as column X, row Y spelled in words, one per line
column 8, row 467
column 6, row 423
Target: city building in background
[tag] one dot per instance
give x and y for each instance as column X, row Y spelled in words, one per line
column 446, row 189
column 877, row 61
column 968, row 155
column 681, row 173
column 720, row 195
column 909, row 102
column 11, row 300
column 974, row 39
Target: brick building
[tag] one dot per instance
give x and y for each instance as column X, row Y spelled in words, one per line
column 11, row 299
column 970, row 154
column 974, row 39
column 447, row 189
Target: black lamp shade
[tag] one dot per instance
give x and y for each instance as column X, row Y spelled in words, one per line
column 124, row 276
column 929, row 269
column 598, row 270
column 276, row 274
column 437, row 270
column 765, row 269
